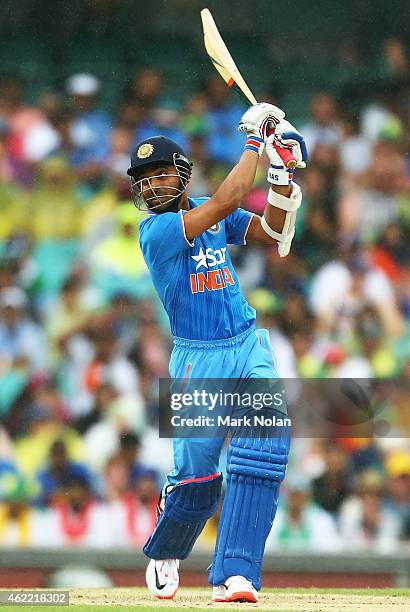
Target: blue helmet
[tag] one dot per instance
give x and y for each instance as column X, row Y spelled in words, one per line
column 153, row 152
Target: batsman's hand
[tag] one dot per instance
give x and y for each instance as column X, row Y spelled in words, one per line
column 288, row 137
column 260, row 119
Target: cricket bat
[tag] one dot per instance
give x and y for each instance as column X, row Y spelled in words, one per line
column 225, row 65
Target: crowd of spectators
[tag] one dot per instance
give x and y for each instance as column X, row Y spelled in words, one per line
column 83, row 339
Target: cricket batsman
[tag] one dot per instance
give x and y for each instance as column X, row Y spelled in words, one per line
column 184, row 242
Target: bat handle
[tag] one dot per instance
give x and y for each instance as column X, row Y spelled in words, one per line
column 286, row 156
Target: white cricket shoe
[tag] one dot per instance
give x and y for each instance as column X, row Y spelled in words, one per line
column 236, row 588
column 163, row 578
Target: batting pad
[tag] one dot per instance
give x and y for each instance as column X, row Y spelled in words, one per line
column 187, row 508
column 255, row 468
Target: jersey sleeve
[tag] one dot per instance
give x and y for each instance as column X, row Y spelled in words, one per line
column 236, row 226
column 163, row 237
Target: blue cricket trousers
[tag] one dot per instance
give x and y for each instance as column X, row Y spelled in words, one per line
column 248, row 355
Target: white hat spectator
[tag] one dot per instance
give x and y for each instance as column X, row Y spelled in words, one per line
column 83, row 84
column 13, row 297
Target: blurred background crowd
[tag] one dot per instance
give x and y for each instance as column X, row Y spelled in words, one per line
column 83, row 339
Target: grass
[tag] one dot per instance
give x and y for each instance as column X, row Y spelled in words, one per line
column 91, row 608
column 132, row 595
column 387, row 592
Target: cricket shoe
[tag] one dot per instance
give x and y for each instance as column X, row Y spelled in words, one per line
column 236, row 588
column 163, row 578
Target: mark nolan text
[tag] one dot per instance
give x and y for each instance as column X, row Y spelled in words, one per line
column 256, row 419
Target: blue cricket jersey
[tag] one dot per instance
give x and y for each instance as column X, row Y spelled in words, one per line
column 196, row 280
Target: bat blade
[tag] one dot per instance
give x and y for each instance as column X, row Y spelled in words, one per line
column 225, row 65
column 222, row 59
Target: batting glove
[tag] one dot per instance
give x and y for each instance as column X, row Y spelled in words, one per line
column 258, row 122
column 286, row 136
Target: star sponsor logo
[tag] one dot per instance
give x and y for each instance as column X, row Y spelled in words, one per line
column 210, row 257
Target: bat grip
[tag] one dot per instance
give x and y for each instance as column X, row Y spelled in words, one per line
column 286, row 156
column 284, row 153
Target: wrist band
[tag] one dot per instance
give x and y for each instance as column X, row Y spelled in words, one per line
column 278, row 175
column 256, row 144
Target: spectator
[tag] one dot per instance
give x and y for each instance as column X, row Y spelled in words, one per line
column 365, row 454
column 301, row 524
column 90, row 127
column 121, row 145
column 130, row 446
column 150, row 354
column 18, row 251
column 323, row 129
column 366, row 521
column 105, row 395
column 145, row 89
column 366, row 210
column 117, row 261
column 330, row 489
column 223, row 144
column 124, row 413
column 68, row 317
column 116, row 479
column 53, row 478
column 356, row 150
column 19, row 527
column 44, row 138
column 395, row 61
column 123, row 316
column 100, row 361
column 20, row 337
column 44, row 421
column 11, row 196
column 398, row 471
column 20, row 119
column 194, row 118
column 343, row 287
column 78, row 519
column 133, row 514
column 55, row 202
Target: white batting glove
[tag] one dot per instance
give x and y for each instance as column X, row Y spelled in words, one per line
column 286, row 136
column 258, row 121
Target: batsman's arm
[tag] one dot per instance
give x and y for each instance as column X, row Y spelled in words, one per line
column 227, row 198
column 277, row 225
column 256, row 123
column 275, row 217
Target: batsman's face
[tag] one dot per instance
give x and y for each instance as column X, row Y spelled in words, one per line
column 159, row 185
